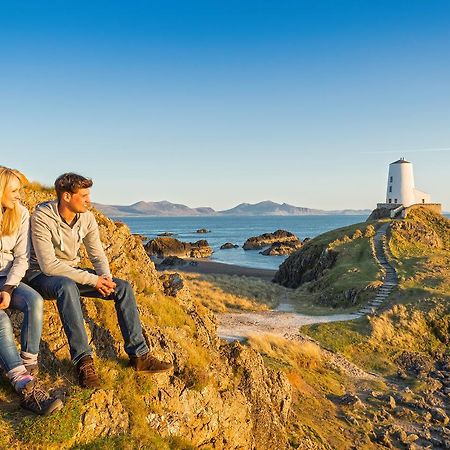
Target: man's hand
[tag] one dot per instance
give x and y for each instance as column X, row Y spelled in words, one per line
column 5, row 299
column 105, row 285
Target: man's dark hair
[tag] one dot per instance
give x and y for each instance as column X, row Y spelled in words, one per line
column 71, row 182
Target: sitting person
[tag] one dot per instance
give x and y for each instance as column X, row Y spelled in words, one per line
column 20, row 369
column 58, row 228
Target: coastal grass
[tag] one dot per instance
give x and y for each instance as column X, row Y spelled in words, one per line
column 315, row 418
column 417, row 316
column 279, row 352
column 226, row 293
column 232, row 293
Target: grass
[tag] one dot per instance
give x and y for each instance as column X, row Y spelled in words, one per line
column 315, row 420
column 279, row 352
column 57, row 428
column 419, row 315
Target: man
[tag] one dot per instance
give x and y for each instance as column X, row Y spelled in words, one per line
column 58, row 228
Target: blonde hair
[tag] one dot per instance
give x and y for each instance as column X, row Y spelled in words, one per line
column 9, row 218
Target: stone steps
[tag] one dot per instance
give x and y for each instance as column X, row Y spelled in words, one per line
column 390, row 281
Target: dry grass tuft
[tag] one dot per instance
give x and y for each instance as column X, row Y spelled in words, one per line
column 222, row 293
column 286, row 353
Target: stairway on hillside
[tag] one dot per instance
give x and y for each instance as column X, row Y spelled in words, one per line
column 390, row 278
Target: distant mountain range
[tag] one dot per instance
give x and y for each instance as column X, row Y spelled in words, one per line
column 266, row 208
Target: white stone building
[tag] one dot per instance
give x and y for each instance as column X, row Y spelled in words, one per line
column 400, row 185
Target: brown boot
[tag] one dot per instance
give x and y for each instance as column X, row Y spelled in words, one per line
column 148, row 363
column 87, row 378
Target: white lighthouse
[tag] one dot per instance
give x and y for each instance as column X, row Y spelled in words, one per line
column 400, row 185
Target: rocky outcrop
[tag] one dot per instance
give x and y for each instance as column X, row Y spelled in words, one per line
column 172, row 283
column 203, row 231
column 413, row 231
column 102, row 415
column 171, row 261
column 168, row 246
column 281, row 248
column 220, row 396
column 266, row 239
column 308, row 264
column 228, row 245
column 253, row 415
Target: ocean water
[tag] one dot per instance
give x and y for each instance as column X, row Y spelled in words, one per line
column 237, row 230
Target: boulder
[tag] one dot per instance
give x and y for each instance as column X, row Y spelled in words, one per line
column 172, row 283
column 266, row 239
column 228, row 245
column 203, row 230
column 169, row 246
column 171, row 261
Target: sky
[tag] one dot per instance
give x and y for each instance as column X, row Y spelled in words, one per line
column 214, row 103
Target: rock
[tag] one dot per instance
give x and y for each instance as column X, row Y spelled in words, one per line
column 171, row 261
column 266, row 239
column 141, row 237
column 221, row 396
column 376, row 394
column 415, row 363
column 392, row 402
column 168, row 246
column 415, row 231
column 203, row 230
column 102, row 415
column 228, row 245
column 172, row 283
column 439, row 415
column 281, row 248
column 351, row 400
column 410, row 438
column 165, row 234
column 383, row 437
column 307, row 264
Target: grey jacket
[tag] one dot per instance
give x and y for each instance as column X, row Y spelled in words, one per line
column 56, row 245
column 15, row 251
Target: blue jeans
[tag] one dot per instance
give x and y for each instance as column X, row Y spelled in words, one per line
column 29, row 302
column 67, row 294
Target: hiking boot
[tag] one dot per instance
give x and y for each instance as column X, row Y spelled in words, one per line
column 148, row 363
column 87, row 378
column 38, row 401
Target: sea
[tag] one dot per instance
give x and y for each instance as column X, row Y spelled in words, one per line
column 237, row 229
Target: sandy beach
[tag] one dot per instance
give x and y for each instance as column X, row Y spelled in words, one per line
column 206, row 267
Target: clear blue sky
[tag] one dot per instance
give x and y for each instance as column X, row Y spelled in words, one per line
column 212, row 103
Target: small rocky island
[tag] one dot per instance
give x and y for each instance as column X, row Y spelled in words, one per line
column 228, row 245
column 203, row 231
column 280, row 242
column 168, row 246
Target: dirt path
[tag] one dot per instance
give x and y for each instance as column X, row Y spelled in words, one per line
column 239, row 325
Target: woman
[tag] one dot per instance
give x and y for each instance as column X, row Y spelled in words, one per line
column 14, row 253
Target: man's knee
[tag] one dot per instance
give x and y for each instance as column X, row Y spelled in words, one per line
column 123, row 287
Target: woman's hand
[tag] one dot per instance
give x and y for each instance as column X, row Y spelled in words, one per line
column 5, row 299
